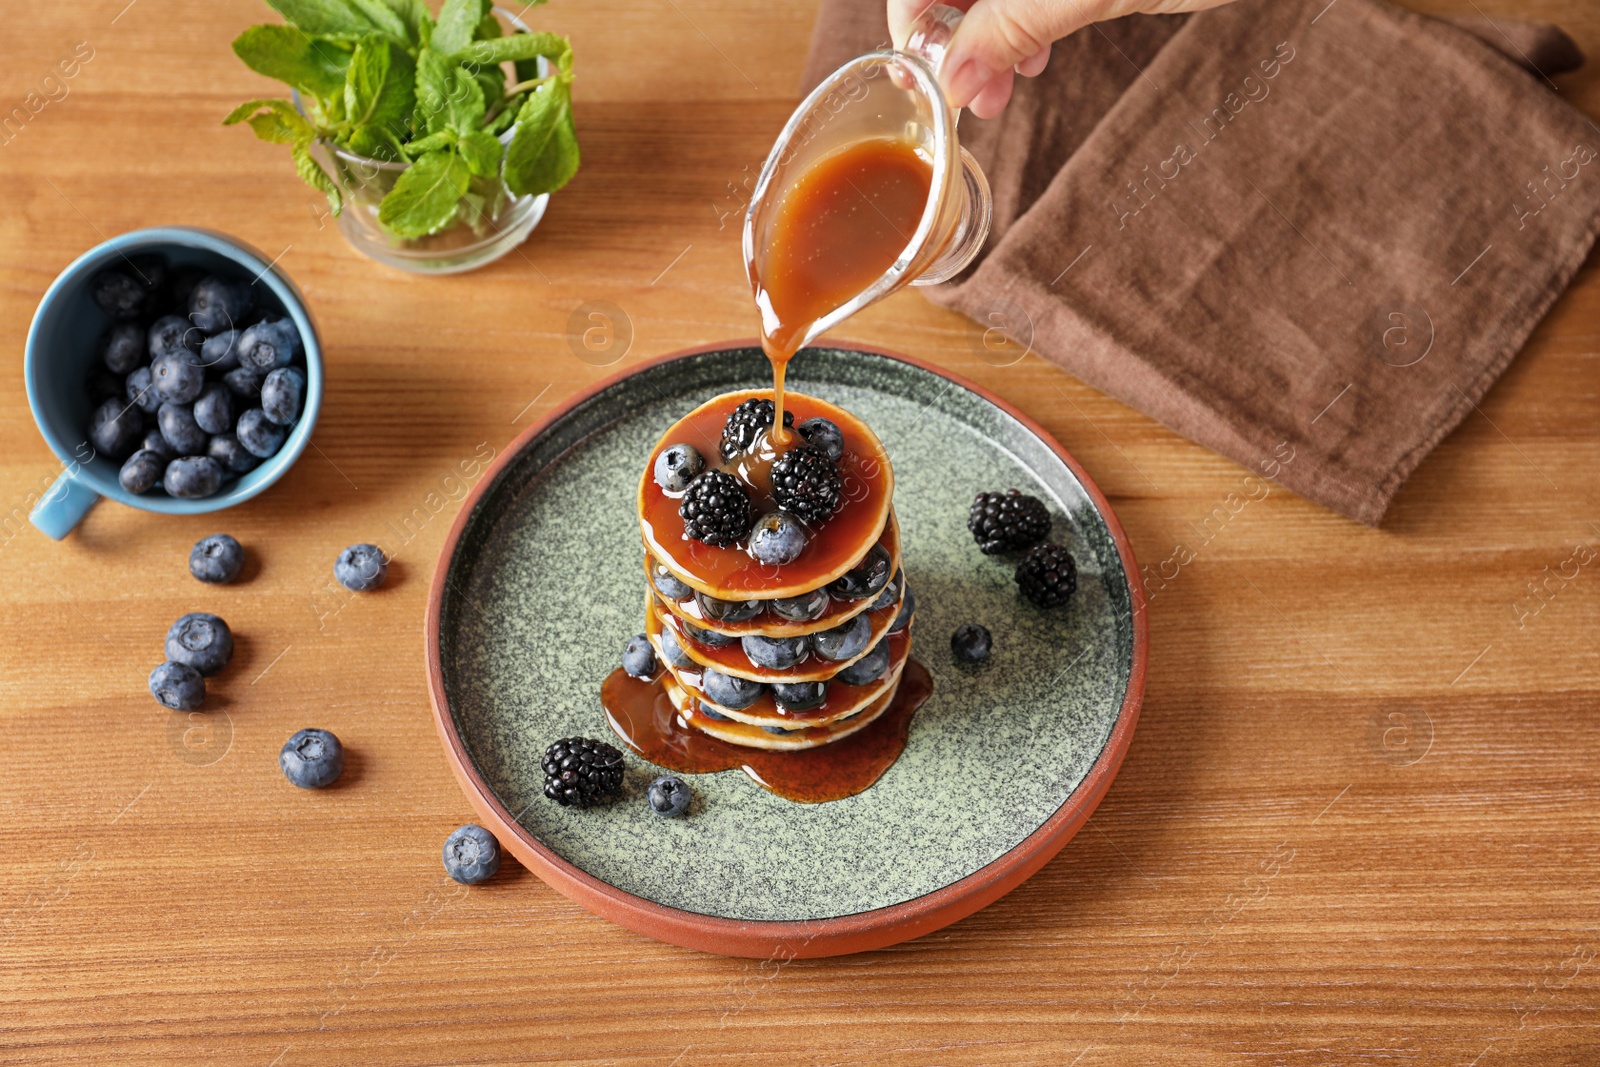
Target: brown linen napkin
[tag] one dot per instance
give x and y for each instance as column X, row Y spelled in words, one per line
column 1283, row 228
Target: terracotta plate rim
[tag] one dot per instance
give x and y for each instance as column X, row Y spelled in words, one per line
column 770, row 939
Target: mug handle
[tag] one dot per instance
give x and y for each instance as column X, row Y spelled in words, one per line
column 63, row 506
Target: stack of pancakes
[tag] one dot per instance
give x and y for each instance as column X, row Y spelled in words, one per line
column 838, row 618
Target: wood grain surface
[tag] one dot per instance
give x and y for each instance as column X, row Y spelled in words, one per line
column 1357, row 825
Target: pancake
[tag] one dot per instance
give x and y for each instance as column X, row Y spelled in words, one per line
column 768, row 623
column 842, row 700
column 732, row 574
column 731, row 659
column 749, row 736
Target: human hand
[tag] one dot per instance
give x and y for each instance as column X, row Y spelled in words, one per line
column 1000, row 39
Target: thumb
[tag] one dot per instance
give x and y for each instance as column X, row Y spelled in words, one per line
column 997, row 35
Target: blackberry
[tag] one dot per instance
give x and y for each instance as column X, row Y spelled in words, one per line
column 1007, row 522
column 1047, row 576
column 746, row 424
column 805, row 483
column 578, row 772
column 716, row 509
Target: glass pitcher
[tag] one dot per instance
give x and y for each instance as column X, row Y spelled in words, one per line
column 888, row 94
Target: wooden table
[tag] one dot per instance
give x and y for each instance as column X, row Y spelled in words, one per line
column 1357, row 824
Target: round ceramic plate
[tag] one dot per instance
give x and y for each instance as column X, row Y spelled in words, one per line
column 539, row 585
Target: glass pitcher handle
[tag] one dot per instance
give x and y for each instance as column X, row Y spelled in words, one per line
column 931, row 34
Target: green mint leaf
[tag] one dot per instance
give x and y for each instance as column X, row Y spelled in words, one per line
column 378, row 93
column 314, row 176
column 482, row 151
column 415, row 15
column 466, row 106
column 458, row 21
column 431, row 143
column 425, row 197
column 435, row 79
column 488, row 27
column 315, row 65
column 329, row 18
column 384, row 19
column 502, row 122
column 543, row 155
column 250, row 107
column 518, row 48
column 278, row 128
column 375, row 143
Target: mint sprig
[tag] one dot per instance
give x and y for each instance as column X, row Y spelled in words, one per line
column 388, row 80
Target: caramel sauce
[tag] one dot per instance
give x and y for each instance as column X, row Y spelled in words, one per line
column 837, row 229
column 643, row 716
column 731, row 573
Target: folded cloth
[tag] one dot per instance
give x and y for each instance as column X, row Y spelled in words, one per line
column 1283, row 228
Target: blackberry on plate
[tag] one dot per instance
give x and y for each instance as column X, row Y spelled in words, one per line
column 579, row 771
column 746, row 424
column 806, row 484
column 716, row 509
column 1047, row 575
column 1007, row 522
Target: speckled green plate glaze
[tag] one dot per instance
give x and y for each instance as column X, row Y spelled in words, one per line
column 543, row 585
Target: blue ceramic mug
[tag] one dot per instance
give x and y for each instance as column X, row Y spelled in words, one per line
column 64, row 346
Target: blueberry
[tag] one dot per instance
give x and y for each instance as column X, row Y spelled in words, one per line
column 638, row 658
column 361, row 567
column 823, row 433
column 118, row 295
column 970, row 643
column 668, row 584
column 867, row 578
column 673, row 651
column 311, row 759
column 908, row 607
column 775, row 653
column 709, row 638
column 174, row 335
column 123, row 349
column 258, row 434
column 266, row 346
column 710, row 712
column 676, row 467
column 727, row 610
column 101, row 384
column 803, row 608
column 230, row 455
column 183, row 433
column 669, row 796
column 116, row 428
column 213, row 408
column 845, row 641
column 174, row 378
column 177, row 686
column 243, row 383
column 800, row 696
column 149, row 269
column 216, row 559
column 191, row 477
column 139, row 391
column 218, row 305
column 779, row 730
column 221, row 352
column 471, row 855
column 201, row 641
column 890, row 594
column 868, row 668
column 777, row 539
column 728, row 691
column 282, row 393
column 154, row 442
column 142, row 471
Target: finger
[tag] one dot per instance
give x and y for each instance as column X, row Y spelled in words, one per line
column 998, row 35
column 992, row 98
column 1034, row 65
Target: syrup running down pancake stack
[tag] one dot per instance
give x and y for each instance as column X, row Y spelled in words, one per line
column 788, row 655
